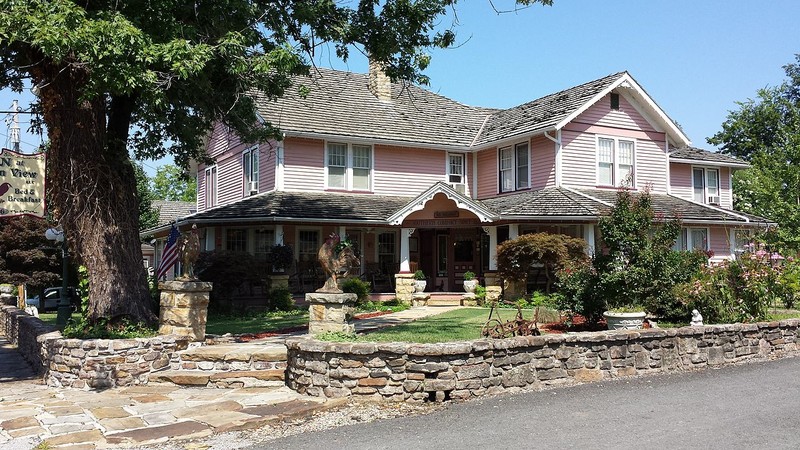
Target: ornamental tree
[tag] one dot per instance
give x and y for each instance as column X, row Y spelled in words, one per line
column 168, row 70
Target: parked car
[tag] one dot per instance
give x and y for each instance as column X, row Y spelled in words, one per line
column 51, row 296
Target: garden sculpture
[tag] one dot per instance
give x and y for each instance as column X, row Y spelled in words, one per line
column 189, row 249
column 697, row 318
column 335, row 257
column 496, row 329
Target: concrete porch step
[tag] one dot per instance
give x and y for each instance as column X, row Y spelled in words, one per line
column 444, row 301
column 219, row 379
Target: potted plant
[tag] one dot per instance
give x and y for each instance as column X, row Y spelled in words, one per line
column 470, row 282
column 280, row 257
column 628, row 317
column 420, row 282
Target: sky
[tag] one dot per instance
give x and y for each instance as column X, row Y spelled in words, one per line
column 696, row 58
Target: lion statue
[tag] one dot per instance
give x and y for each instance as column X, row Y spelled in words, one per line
column 333, row 263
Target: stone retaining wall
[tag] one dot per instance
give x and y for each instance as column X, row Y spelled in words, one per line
column 461, row 370
column 108, row 363
column 29, row 334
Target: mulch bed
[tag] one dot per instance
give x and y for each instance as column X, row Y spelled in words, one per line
column 578, row 324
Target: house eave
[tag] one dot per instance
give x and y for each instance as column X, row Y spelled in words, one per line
column 700, row 162
column 373, row 140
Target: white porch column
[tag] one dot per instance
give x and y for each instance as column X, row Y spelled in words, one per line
column 513, row 231
column 405, row 266
column 278, row 234
column 588, row 236
column 211, row 238
column 492, row 248
column 342, row 231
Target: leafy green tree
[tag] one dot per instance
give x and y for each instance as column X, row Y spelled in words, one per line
column 172, row 68
column 171, row 183
column 26, row 256
column 765, row 131
column 148, row 216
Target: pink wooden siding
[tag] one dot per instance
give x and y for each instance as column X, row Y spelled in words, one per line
column 651, row 165
column 304, row 164
column 680, row 180
column 266, row 166
column 578, row 159
column 543, row 163
column 626, row 117
column 487, row 173
column 720, row 242
column 408, row 171
column 470, row 174
column 226, row 149
column 725, row 188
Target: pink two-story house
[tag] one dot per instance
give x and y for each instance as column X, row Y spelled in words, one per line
column 420, row 181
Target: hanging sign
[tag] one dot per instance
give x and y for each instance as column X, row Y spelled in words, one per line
column 21, row 184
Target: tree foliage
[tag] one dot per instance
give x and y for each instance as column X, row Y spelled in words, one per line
column 172, row 69
column 148, row 216
column 26, row 256
column 765, row 131
column 172, row 183
column 517, row 257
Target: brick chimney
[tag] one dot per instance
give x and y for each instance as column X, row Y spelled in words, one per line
column 379, row 84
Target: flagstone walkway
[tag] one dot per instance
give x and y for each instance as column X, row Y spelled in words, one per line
column 32, row 413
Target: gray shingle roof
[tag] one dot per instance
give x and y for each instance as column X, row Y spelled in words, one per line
column 340, row 103
column 169, row 211
column 544, row 112
column 672, row 207
column 306, row 206
column 544, row 203
column 697, row 154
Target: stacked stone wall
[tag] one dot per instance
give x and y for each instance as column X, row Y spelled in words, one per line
column 29, row 334
column 460, row 370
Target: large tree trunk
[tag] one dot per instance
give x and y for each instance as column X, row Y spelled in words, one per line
column 94, row 192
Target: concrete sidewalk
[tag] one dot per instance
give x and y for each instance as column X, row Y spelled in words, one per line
column 32, row 413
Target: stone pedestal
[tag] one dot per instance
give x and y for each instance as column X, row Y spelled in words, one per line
column 469, row 299
column 279, row 281
column 6, row 296
column 184, row 308
column 331, row 312
column 404, row 287
column 420, row 299
column 494, row 288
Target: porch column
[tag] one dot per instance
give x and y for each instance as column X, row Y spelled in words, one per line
column 513, row 230
column 492, row 248
column 588, row 236
column 405, row 234
column 342, row 231
column 278, row 234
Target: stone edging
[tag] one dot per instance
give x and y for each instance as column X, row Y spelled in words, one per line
column 460, row 370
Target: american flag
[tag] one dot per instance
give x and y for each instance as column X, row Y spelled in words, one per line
column 170, row 254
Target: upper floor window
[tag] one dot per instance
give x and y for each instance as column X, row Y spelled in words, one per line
column 456, row 171
column 514, row 167
column 250, row 171
column 615, row 161
column 349, row 166
column 705, row 184
column 211, row 186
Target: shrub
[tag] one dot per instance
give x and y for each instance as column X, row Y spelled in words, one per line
column 280, row 299
column 280, row 257
column 515, row 257
column 358, row 287
column 229, row 272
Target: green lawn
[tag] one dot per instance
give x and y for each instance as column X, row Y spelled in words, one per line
column 50, row 318
column 271, row 321
column 457, row 325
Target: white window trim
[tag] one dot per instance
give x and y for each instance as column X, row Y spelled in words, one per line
column 463, row 168
column 615, row 165
column 689, row 243
column 705, row 183
column 514, row 166
column 206, row 174
column 246, row 176
column 320, row 239
column 348, row 171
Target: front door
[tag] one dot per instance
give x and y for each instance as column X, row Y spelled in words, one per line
column 455, row 251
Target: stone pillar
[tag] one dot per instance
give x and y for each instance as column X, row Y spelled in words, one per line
column 184, row 308
column 494, row 288
column 404, row 287
column 279, row 281
column 331, row 312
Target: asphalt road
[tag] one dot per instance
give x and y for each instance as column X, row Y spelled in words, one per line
column 749, row 406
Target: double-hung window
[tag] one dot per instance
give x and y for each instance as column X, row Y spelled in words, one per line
column 456, row 171
column 349, row 166
column 705, row 185
column 211, row 186
column 615, row 162
column 250, row 171
column 693, row 239
column 514, row 167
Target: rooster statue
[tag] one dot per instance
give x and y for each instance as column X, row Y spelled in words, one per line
column 334, row 262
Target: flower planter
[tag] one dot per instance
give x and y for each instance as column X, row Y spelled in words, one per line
column 419, row 285
column 624, row 321
column 470, row 285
